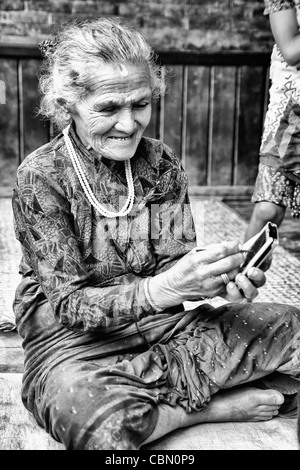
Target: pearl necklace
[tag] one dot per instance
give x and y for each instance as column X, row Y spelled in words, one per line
column 87, row 189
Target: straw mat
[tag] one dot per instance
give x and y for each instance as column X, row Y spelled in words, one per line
column 215, row 221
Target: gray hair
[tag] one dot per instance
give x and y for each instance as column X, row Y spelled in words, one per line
column 64, row 73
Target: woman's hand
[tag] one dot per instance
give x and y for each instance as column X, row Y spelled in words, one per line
column 198, row 275
column 245, row 287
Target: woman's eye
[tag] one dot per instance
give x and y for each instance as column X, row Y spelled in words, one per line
column 105, row 110
column 141, row 105
column 112, row 109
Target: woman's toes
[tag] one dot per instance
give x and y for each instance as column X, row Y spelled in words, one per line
column 271, row 397
column 278, row 398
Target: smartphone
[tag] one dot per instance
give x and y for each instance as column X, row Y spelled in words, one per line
column 260, row 247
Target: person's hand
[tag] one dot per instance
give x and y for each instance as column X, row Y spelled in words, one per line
column 245, row 288
column 198, row 275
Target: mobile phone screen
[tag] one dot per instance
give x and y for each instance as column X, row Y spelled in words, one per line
column 263, row 242
column 257, row 245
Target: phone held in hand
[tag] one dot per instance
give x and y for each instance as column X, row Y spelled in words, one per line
column 260, row 247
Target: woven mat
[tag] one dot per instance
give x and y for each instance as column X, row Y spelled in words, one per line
column 215, row 221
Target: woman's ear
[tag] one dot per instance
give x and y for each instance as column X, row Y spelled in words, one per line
column 63, row 106
column 61, row 102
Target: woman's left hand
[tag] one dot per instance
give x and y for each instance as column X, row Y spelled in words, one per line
column 245, row 287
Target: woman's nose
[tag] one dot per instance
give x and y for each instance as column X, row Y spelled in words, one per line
column 126, row 122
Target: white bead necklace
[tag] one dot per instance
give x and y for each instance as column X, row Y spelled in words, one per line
column 87, row 189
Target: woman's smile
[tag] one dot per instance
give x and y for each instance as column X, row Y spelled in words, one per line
column 112, row 118
column 121, row 138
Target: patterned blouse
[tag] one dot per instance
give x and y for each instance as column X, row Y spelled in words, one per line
column 92, row 269
column 280, row 146
column 276, row 5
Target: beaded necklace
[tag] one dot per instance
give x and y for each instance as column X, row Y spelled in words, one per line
column 87, row 189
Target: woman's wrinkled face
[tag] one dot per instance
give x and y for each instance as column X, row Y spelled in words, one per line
column 112, row 117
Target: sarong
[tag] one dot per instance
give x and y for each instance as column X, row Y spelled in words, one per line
column 102, row 390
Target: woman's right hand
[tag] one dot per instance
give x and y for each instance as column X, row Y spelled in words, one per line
column 198, row 275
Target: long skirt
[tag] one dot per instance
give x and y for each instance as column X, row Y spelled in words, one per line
column 102, row 390
column 273, row 186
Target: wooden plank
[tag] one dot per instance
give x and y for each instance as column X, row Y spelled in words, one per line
column 183, row 129
column 21, row 136
column 156, row 125
column 9, row 124
column 249, row 124
column 160, row 118
column 223, row 126
column 151, row 129
column 20, row 50
column 237, row 112
column 172, row 111
column 221, row 191
column 36, row 129
column 214, row 57
column 210, row 120
column 197, row 124
column 187, row 57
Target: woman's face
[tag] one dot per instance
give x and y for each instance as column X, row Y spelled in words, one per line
column 111, row 119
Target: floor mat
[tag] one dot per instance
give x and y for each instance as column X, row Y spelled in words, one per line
column 215, row 221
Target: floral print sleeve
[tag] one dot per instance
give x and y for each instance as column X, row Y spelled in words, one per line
column 91, row 273
column 272, row 6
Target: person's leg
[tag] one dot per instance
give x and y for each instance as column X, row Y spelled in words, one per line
column 223, row 358
column 123, row 406
column 273, row 193
column 244, row 404
column 263, row 212
column 89, row 407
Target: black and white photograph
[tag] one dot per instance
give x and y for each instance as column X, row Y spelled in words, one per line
column 149, row 227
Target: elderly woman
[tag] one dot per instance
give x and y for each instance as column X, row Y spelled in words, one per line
column 112, row 359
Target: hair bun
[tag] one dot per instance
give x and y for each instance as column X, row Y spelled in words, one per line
column 48, row 46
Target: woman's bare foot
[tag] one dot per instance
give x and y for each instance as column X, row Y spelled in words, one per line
column 244, row 404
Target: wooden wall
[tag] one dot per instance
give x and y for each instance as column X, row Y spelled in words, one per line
column 212, row 115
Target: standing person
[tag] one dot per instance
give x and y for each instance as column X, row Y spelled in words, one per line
column 278, row 181
column 112, row 359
